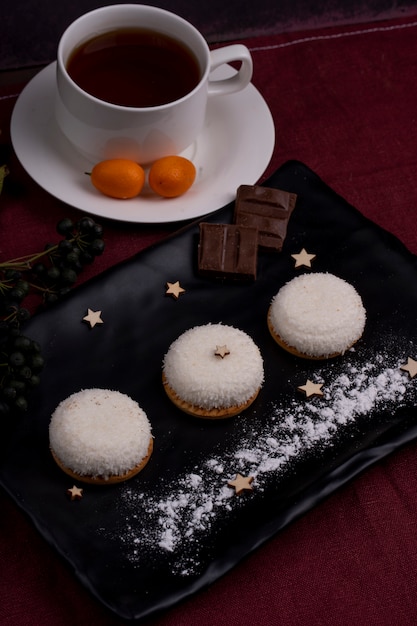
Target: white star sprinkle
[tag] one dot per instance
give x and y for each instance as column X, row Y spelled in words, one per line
column 303, row 258
column 93, row 318
column 174, row 289
column 410, row 367
column 241, row 483
column 75, row 493
column 311, row 389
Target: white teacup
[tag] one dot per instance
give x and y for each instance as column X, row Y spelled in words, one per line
column 100, row 129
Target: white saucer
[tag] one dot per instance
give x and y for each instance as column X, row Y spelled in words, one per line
column 234, row 148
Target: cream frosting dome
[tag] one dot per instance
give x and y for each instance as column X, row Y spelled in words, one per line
column 99, row 432
column 203, row 378
column 318, row 314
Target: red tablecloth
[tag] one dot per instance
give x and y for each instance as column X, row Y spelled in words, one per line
column 344, row 102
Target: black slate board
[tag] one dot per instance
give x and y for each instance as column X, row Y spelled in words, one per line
column 116, row 538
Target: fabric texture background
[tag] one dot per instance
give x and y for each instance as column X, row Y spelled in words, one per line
column 30, row 31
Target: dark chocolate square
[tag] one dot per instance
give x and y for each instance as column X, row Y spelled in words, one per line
column 266, row 209
column 228, row 251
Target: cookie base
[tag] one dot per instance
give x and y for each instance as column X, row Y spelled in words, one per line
column 100, row 480
column 197, row 411
column 283, row 344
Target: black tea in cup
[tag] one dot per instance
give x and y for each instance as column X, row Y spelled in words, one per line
column 134, row 67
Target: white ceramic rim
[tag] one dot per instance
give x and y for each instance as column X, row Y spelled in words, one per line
column 234, row 148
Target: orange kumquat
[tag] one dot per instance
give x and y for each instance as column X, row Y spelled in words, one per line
column 171, row 176
column 118, row 178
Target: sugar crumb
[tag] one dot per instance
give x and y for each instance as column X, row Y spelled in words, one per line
column 177, row 520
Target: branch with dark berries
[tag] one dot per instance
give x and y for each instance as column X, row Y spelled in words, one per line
column 44, row 277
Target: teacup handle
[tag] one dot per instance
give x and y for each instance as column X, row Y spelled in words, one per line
column 228, row 54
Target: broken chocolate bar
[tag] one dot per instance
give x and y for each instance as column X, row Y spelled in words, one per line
column 228, row 251
column 266, row 209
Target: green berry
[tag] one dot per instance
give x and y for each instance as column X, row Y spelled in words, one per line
column 16, row 359
column 65, row 226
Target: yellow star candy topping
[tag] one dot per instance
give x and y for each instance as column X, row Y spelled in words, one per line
column 221, row 351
